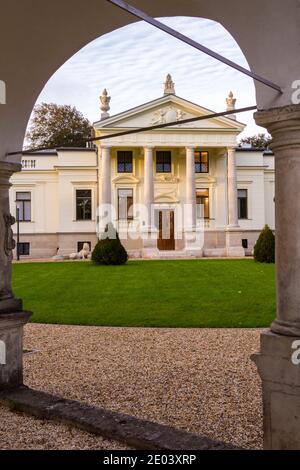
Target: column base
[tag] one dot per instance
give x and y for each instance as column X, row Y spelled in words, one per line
column 150, row 250
column 11, row 348
column 234, row 247
column 194, row 242
column 281, row 390
column 10, row 305
column 286, row 328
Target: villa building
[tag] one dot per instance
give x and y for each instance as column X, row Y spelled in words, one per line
column 229, row 190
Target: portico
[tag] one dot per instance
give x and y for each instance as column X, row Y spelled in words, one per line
column 179, row 166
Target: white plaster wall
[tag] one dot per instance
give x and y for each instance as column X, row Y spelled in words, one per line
column 269, row 200
column 253, row 181
column 43, row 187
column 77, row 158
column 69, row 182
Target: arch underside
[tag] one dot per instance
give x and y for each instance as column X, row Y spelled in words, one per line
column 37, row 37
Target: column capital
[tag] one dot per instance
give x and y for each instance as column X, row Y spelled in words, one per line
column 7, row 169
column 149, row 147
column 283, row 124
column 190, row 147
column 274, row 115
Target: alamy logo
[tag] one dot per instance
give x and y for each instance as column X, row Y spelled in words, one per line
column 2, row 353
column 296, row 94
column 296, row 354
column 2, row 92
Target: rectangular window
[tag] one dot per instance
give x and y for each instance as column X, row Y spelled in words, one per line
column 81, row 244
column 125, row 204
column 24, row 249
column 201, row 162
column 24, row 204
column 125, row 162
column 84, row 204
column 242, row 204
column 163, row 162
column 202, row 200
column 245, row 243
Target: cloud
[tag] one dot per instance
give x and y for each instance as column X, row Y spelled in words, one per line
column 132, row 63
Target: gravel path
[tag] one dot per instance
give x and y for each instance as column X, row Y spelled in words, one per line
column 199, row 380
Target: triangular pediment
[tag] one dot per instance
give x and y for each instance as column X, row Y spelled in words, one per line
column 168, row 109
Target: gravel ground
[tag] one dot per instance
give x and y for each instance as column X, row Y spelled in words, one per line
column 199, row 380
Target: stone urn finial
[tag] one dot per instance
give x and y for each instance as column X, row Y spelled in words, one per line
column 169, row 86
column 105, row 104
column 231, row 101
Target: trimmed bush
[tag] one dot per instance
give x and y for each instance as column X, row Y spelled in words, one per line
column 109, row 250
column 264, row 250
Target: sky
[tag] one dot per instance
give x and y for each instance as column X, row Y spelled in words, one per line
column 132, row 63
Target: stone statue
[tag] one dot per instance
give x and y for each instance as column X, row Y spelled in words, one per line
column 169, row 86
column 6, row 255
column 180, row 114
column 105, row 104
column 85, row 253
column 9, row 242
column 159, row 117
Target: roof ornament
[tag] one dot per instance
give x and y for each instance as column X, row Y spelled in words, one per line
column 169, row 86
column 231, row 101
column 104, row 104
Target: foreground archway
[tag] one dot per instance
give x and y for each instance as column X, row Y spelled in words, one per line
column 51, row 32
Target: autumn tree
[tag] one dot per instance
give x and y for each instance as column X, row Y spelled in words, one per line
column 260, row 141
column 54, row 125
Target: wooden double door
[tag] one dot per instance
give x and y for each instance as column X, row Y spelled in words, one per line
column 166, row 235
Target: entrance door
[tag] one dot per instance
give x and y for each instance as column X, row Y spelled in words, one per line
column 166, row 239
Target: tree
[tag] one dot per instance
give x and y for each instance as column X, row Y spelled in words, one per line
column 109, row 250
column 54, row 125
column 260, row 141
column 264, row 250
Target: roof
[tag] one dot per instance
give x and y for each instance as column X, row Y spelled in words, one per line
column 266, row 152
column 148, row 105
column 54, row 152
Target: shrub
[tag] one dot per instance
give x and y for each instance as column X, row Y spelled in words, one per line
column 264, row 250
column 109, row 250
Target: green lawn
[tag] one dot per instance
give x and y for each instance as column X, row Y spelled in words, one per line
column 196, row 293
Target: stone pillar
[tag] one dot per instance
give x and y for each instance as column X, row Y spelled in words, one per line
column 105, row 209
column 194, row 237
column 149, row 231
column 8, row 303
column 278, row 362
column 233, row 234
column 232, row 189
column 190, row 188
column 105, row 175
column 12, row 318
column 148, row 183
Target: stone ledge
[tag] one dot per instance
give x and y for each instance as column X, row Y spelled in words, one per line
column 137, row 433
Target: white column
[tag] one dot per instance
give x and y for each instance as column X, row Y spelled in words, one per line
column 105, row 175
column 190, row 187
column 149, row 232
column 148, row 182
column 232, row 188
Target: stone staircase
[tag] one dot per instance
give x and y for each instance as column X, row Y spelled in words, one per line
column 176, row 255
